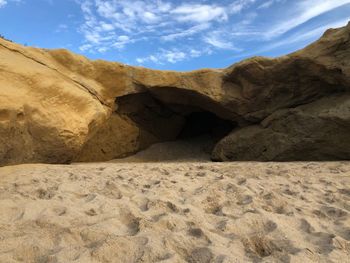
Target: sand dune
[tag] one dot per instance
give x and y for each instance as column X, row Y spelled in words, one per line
column 175, row 212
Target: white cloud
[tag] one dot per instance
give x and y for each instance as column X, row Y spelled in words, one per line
column 140, row 60
column 195, row 53
column 130, row 16
column 172, row 56
column 123, row 38
column 85, row 47
column 309, row 35
column 217, row 39
column 106, row 27
column 297, row 38
column 151, row 58
column 93, row 37
column 199, row 13
column 121, row 42
column 61, row 28
column 150, row 17
column 105, row 20
column 304, row 11
column 187, row 25
column 102, row 49
column 3, row 3
column 239, row 5
column 267, row 4
column 188, row 32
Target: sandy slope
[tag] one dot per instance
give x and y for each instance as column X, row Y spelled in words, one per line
column 195, row 149
column 175, row 212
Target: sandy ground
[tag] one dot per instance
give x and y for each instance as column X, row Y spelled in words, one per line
column 175, row 212
column 196, row 149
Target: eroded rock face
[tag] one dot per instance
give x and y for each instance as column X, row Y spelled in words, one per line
column 316, row 131
column 58, row 107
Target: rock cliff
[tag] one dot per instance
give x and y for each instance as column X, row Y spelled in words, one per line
column 59, row 107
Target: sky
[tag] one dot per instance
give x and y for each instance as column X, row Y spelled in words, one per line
column 171, row 34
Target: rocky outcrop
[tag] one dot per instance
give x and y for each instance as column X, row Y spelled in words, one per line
column 316, row 131
column 58, row 107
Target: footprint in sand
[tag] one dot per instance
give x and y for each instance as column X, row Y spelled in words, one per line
column 111, row 190
column 200, row 255
column 60, row 210
column 261, row 246
column 333, row 212
column 245, row 200
column 198, row 233
column 91, row 212
column 344, row 233
column 344, row 191
column 141, row 202
column 46, row 194
column 162, row 206
column 90, row 197
column 323, row 241
column 270, row 226
column 131, row 222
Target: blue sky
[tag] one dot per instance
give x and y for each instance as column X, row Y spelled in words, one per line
column 171, row 34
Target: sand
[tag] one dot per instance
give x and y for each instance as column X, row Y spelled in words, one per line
column 197, row 149
column 175, row 212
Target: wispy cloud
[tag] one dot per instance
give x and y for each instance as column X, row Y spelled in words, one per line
column 108, row 20
column 239, row 5
column 167, row 26
column 217, row 40
column 303, row 12
column 161, row 33
column 199, row 13
column 121, row 41
column 170, row 56
column 62, row 28
column 173, row 55
column 3, row 3
column 307, row 35
column 270, row 3
column 187, row 32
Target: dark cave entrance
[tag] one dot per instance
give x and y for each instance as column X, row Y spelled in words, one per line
column 183, row 129
column 205, row 123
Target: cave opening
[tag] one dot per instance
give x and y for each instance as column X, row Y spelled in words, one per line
column 205, row 123
column 173, row 131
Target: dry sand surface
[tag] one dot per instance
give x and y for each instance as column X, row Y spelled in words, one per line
column 175, row 212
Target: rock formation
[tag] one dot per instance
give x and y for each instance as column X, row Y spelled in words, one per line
column 58, row 107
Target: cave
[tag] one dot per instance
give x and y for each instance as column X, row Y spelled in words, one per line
column 205, row 123
column 188, row 126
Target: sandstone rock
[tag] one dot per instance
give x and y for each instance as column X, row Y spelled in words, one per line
column 59, row 107
column 316, row 131
column 110, row 141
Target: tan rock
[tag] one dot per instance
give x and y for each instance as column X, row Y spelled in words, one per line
column 56, row 106
column 316, row 131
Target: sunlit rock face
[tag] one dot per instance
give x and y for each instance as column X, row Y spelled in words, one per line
column 59, row 107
